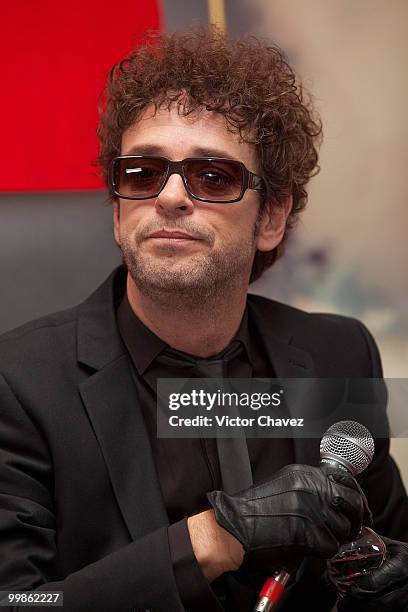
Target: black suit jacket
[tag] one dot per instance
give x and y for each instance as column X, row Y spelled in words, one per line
column 80, row 505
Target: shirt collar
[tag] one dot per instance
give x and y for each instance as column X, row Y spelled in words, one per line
column 143, row 344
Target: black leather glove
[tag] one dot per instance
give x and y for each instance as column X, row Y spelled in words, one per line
column 302, row 511
column 385, row 589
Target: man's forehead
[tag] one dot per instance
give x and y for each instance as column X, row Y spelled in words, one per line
column 202, row 131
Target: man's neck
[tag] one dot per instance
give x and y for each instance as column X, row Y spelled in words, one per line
column 201, row 331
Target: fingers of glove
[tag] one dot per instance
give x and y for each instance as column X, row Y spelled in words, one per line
column 397, row 601
column 368, row 519
column 391, row 575
column 352, row 520
column 331, row 487
column 327, row 483
column 347, row 480
column 368, row 516
column 349, row 502
column 395, row 546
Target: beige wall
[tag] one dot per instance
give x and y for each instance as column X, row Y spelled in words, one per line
column 399, row 451
column 353, row 55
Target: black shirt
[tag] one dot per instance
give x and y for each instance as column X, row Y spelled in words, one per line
column 188, row 468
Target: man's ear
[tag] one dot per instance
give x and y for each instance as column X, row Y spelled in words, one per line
column 272, row 225
column 116, row 220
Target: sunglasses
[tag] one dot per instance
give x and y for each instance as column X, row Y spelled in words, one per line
column 209, row 179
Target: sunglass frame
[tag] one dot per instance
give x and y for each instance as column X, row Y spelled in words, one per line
column 249, row 179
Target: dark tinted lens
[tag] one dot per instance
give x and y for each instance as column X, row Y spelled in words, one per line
column 214, row 180
column 139, row 177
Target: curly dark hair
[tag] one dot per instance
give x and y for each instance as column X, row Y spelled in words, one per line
column 247, row 80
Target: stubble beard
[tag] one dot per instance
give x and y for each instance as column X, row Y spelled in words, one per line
column 194, row 281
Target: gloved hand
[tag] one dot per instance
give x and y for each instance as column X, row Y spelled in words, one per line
column 385, row 589
column 302, row 511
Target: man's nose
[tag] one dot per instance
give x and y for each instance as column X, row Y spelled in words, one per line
column 174, row 200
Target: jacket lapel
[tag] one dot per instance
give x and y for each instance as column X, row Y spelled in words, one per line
column 112, row 405
column 288, row 361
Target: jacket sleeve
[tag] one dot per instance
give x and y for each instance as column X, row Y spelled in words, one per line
column 195, row 591
column 28, row 546
column 381, row 481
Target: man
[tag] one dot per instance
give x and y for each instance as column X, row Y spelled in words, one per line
column 206, row 148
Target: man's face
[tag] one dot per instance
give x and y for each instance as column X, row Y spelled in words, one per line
column 222, row 239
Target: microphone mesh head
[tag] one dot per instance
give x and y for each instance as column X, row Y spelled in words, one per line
column 349, row 443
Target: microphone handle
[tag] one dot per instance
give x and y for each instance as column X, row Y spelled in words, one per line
column 272, row 591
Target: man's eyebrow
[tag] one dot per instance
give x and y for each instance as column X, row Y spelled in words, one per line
column 196, row 152
column 145, row 150
column 213, row 152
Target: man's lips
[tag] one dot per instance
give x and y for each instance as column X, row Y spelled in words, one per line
column 172, row 235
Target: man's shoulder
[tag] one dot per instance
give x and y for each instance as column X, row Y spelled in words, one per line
column 300, row 320
column 51, row 341
column 63, row 323
column 39, row 342
column 341, row 343
column 41, row 325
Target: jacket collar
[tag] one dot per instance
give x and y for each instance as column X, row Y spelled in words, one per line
column 98, row 341
column 287, row 359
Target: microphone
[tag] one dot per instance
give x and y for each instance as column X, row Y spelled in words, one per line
column 346, row 445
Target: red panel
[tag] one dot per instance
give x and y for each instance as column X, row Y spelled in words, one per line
column 56, row 56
